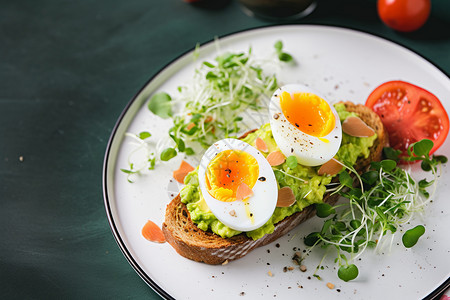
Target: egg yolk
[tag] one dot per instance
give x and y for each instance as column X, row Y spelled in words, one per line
column 308, row 112
column 227, row 171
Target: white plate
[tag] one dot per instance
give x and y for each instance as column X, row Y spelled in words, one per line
column 344, row 65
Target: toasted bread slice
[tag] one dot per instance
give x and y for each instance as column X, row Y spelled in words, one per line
column 204, row 246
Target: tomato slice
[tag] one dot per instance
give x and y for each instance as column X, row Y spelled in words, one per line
column 410, row 114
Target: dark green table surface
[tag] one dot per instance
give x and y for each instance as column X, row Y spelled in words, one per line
column 67, row 70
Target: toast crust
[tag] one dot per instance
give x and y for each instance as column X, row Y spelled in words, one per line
column 204, row 246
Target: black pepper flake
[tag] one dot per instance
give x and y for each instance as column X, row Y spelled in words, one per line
column 309, row 124
column 268, row 250
column 277, row 245
column 292, row 150
column 297, row 125
column 262, row 178
column 251, row 214
column 338, row 290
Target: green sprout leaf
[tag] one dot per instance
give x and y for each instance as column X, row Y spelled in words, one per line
column 278, row 46
column 326, row 226
column 355, row 224
column 323, row 210
column 286, row 57
column 168, row 154
column 423, row 147
column 388, row 165
column 424, row 183
column 348, row 272
column 189, row 151
column 340, row 226
column 152, row 162
column 345, row 179
column 282, row 56
column 440, row 159
column 370, row 177
column 411, row 236
column 160, row 104
column 426, row 165
column 128, row 171
column 391, row 153
column 144, row 134
column 208, row 64
column 292, row 162
column 311, row 239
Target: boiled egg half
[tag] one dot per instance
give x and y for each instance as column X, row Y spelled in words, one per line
column 304, row 124
column 225, row 167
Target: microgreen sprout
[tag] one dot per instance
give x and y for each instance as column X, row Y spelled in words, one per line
column 411, row 236
column 292, row 162
column 217, row 103
column 141, row 150
column 282, row 56
column 387, row 197
column 348, row 272
column 160, row 104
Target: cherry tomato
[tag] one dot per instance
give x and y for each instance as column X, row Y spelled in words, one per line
column 409, row 114
column 404, row 15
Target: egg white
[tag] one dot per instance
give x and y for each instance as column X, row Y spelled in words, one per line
column 309, row 150
column 261, row 204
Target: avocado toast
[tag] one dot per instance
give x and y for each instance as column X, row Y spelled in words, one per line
column 206, row 246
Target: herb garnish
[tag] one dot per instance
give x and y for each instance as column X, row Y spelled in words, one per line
column 386, row 198
column 212, row 106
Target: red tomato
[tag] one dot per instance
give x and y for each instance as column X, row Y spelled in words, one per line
column 409, row 114
column 404, row 15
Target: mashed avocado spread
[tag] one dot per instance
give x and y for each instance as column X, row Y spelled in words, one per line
column 307, row 192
